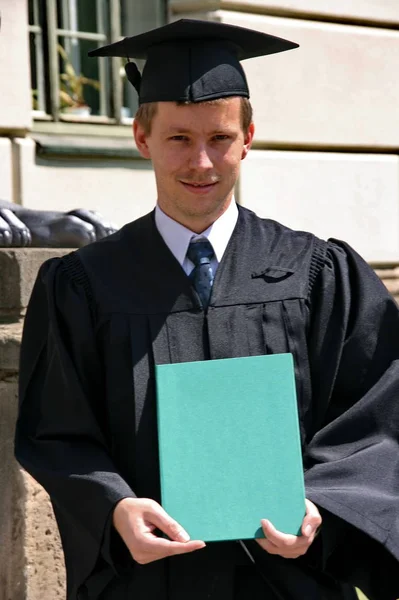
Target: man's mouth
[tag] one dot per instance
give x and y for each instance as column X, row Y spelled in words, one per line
column 199, row 186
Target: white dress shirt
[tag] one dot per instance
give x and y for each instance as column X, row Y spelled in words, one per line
column 177, row 237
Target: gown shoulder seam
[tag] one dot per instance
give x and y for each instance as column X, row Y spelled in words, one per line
column 77, row 273
column 317, row 262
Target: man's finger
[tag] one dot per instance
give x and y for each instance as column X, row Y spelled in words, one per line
column 149, row 553
column 277, row 537
column 154, row 548
column 312, row 519
column 166, row 524
column 285, row 552
column 169, row 548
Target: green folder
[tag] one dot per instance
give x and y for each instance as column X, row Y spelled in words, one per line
column 229, row 446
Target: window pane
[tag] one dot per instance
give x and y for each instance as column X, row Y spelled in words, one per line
column 36, row 47
column 138, row 16
column 81, row 81
column 36, row 100
column 90, row 68
column 79, row 77
column 31, row 14
column 88, row 17
column 83, row 15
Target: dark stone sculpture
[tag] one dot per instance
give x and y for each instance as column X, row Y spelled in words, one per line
column 21, row 227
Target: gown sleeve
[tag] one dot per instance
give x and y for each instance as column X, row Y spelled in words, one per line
column 61, row 433
column 352, row 456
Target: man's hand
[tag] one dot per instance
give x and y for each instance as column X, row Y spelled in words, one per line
column 291, row 546
column 136, row 519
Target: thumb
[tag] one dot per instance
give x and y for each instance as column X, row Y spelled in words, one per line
column 312, row 519
column 167, row 525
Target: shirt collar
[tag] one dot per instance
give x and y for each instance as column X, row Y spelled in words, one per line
column 177, row 237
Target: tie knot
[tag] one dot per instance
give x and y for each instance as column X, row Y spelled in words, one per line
column 200, row 252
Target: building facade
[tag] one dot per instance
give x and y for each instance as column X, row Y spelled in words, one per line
column 325, row 159
column 325, row 156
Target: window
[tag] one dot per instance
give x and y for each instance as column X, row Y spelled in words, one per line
column 67, row 85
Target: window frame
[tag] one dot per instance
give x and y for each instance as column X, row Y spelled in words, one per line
column 46, row 41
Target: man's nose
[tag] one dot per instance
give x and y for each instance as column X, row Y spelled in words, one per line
column 200, row 158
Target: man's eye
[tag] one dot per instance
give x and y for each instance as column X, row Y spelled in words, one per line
column 220, row 137
column 179, row 138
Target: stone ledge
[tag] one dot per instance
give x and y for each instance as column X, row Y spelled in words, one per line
column 392, row 286
column 18, row 268
column 389, row 276
column 387, row 272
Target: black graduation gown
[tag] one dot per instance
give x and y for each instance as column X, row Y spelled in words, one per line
column 101, row 317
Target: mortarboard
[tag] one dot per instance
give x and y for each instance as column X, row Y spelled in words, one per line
column 191, row 60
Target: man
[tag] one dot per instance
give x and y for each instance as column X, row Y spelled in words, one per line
column 100, row 318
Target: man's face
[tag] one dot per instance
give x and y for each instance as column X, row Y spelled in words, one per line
column 196, row 151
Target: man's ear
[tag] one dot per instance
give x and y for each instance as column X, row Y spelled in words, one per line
column 249, row 136
column 140, row 137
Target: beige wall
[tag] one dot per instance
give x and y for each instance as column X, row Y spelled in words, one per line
column 6, row 188
column 353, row 197
column 385, row 11
column 336, row 90
column 121, row 190
column 15, row 96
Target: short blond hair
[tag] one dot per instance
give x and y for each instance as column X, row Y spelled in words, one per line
column 147, row 111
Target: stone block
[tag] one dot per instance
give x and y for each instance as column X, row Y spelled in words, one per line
column 10, row 341
column 12, row 580
column 374, row 11
column 392, row 286
column 15, row 97
column 349, row 196
column 336, row 90
column 43, row 556
column 387, row 273
column 35, row 568
column 120, row 190
column 18, row 270
column 6, row 179
column 389, row 276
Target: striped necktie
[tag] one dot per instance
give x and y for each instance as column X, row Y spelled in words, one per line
column 201, row 254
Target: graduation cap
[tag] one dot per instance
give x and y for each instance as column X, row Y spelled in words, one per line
column 191, row 60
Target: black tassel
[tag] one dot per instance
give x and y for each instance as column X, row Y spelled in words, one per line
column 133, row 75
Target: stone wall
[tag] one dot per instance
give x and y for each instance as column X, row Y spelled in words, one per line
column 31, row 559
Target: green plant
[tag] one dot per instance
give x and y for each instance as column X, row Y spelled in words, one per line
column 72, row 84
